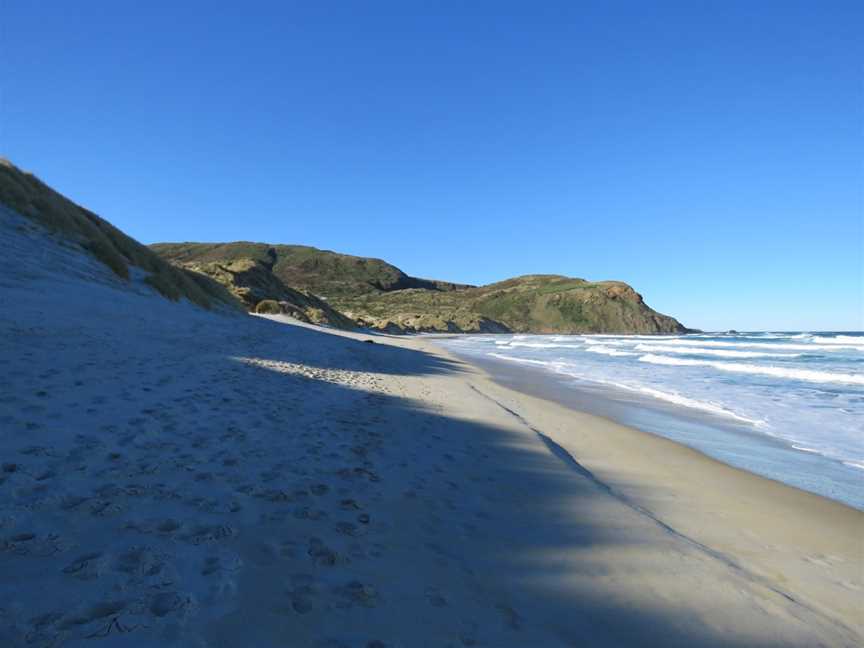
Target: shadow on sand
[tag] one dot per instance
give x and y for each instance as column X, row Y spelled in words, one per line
column 495, row 515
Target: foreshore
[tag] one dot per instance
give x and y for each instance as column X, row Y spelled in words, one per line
column 736, row 443
column 809, row 547
column 175, row 477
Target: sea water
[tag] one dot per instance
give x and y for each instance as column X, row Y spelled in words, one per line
column 786, row 405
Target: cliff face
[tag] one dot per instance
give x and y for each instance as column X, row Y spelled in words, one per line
column 378, row 295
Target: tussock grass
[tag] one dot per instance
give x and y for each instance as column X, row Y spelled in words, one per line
column 32, row 198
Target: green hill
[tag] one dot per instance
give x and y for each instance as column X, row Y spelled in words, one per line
column 321, row 272
column 379, row 295
column 529, row 304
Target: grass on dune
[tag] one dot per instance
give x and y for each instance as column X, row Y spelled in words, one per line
column 32, row 198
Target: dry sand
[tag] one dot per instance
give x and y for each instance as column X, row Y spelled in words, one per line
column 175, row 477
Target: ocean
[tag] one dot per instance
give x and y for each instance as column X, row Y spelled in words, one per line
column 785, row 405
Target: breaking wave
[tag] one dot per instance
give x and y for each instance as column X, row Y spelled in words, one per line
column 725, row 353
column 807, row 375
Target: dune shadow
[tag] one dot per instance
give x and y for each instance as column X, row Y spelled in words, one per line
column 310, row 346
column 524, row 524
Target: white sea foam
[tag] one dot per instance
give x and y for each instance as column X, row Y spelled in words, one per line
column 807, row 375
column 542, row 363
column 606, row 336
column 725, row 353
column 610, row 341
column 669, row 397
column 543, row 345
column 678, row 399
column 766, row 345
column 843, row 340
column 806, row 449
column 607, row 351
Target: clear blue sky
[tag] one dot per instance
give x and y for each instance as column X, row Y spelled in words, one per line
column 709, row 153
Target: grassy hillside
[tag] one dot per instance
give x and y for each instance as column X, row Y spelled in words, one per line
column 556, row 304
column 377, row 294
column 321, row 272
column 530, row 304
column 253, row 283
column 33, row 199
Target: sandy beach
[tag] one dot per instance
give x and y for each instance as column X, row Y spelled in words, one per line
column 177, row 477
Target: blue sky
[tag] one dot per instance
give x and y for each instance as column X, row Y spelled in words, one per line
column 709, row 153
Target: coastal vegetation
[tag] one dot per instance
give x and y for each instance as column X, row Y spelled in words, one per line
column 33, row 199
column 252, row 281
column 378, row 295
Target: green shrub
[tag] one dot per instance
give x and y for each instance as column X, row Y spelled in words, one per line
column 268, row 307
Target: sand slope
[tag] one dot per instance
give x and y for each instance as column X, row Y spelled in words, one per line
column 176, row 477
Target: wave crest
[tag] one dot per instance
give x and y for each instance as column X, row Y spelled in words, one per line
column 725, row 353
column 806, row 375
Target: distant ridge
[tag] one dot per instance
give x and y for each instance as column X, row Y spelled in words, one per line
column 379, row 295
column 329, row 274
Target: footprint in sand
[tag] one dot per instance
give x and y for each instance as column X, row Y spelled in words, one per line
column 169, row 526
column 165, row 603
column 512, row 620
column 86, row 567
column 304, row 593
column 303, row 513
column 94, row 620
column 321, row 554
column 320, row 489
column 357, row 593
column 350, row 529
column 435, row 598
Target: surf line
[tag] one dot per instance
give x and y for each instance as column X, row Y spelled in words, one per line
column 569, row 460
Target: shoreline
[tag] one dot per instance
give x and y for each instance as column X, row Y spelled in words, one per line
column 732, row 444
column 811, row 544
